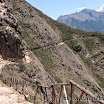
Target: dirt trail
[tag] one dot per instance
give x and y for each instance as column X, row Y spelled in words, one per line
column 5, row 62
column 61, row 43
column 1, row 67
column 7, row 94
column 10, row 96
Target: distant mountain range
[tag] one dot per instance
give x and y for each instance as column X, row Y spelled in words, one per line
column 87, row 19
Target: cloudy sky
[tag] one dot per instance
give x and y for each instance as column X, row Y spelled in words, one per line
column 55, row 8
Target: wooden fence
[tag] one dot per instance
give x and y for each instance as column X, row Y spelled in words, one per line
column 52, row 94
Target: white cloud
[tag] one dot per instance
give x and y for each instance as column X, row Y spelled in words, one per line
column 81, row 8
column 101, row 8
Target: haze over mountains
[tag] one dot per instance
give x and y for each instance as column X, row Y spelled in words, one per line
column 87, row 19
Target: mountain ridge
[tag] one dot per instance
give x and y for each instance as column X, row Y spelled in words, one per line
column 87, row 19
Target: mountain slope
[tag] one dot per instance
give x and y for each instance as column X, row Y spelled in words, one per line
column 54, row 52
column 87, row 19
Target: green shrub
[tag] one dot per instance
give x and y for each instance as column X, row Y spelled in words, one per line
column 58, row 79
column 21, row 66
column 23, row 24
column 44, row 55
column 89, row 44
column 71, row 43
column 26, row 25
column 16, row 7
column 101, row 38
column 101, row 80
column 86, row 61
column 30, row 42
column 82, row 102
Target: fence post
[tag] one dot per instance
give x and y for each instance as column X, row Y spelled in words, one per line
column 72, row 93
column 13, row 81
column 80, row 97
column 4, row 80
column 60, row 93
column 23, row 87
column 36, row 94
column 10, row 81
column 46, row 94
column 42, row 90
column 53, row 95
column 88, row 100
column 65, row 95
column 16, row 84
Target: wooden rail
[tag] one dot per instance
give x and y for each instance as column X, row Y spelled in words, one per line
column 49, row 93
column 86, row 91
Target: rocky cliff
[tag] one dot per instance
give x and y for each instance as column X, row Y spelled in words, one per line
column 10, row 42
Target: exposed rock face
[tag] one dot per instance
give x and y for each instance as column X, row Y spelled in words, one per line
column 77, row 48
column 10, row 43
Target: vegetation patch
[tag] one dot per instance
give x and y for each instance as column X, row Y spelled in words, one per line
column 44, row 55
column 71, row 44
column 82, row 102
column 66, row 32
column 101, row 81
column 86, row 61
column 89, row 44
column 30, row 42
column 23, row 24
column 10, row 71
column 101, row 38
column 58, row 79
column 21, row 66
column 16, row 7
column 26, row 25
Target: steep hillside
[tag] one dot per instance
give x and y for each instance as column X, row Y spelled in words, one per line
column 53, row 52
column 89, row 20
column 19, row 61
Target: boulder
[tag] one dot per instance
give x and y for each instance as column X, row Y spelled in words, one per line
column 77, row 48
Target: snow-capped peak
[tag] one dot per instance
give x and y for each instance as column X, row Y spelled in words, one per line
column 100, row 9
